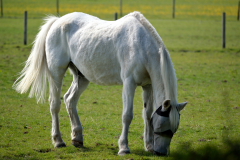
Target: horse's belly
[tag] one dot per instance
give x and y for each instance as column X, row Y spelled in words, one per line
column 103, row 78
column 100, row 69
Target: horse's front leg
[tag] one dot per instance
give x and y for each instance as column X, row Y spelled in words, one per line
column 147, row 112
column 129, row 87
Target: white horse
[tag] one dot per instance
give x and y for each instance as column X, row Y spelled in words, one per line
column 126, row 52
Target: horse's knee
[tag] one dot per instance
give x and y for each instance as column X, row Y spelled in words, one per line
column 65, row 97
column 70, row 100
column 66, row 100
column 70, row 105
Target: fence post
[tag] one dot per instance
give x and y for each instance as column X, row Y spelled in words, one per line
column 120, row 8
column 57, row 8
column 223, row 29
column 115, row 16
column 173, row 12
column 238, row 10
column 1, row 8
column 25, row 28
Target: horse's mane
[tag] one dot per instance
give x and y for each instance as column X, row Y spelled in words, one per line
column 170, row 84
column 167, row 70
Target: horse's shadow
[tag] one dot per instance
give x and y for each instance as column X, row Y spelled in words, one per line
column 142, row 152
column 113, row 149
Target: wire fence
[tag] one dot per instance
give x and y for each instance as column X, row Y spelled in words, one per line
column 184, row 9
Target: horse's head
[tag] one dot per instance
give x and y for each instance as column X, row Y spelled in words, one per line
column 164, row 122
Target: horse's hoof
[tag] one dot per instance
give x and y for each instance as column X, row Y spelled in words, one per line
column 123, row 152
column 60, row 145
column 77, row 144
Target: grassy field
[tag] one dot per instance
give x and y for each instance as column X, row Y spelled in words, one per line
column 208, row 78
column 184, row 9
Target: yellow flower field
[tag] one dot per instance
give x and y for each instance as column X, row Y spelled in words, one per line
column 110, row 9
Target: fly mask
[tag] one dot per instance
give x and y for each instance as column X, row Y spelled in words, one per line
column 163, row 133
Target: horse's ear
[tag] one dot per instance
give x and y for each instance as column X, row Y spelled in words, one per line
column 180, row 106
column 166, row 104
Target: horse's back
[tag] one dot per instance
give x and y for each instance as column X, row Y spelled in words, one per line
column 104, row 51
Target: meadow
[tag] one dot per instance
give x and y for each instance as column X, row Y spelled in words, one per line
column 208, row 78
column 184, row 9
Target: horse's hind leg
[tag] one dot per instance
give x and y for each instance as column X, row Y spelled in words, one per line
column 78, row 85
column 57, row 74
column 147, row 112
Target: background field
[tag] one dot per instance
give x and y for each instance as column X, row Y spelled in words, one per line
column 208, row 78
column 190, row 9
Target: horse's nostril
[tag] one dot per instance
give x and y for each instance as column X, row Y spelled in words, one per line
column 160, row 154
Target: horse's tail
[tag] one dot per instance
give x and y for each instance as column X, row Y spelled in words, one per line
column 35, row 72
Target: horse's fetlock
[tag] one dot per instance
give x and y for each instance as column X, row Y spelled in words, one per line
column 77, row 134
column 55, row 138
column 127, row 118
column 54, row 135
column 77, row 129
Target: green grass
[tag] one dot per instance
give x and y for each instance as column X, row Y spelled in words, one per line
column 208, row 78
